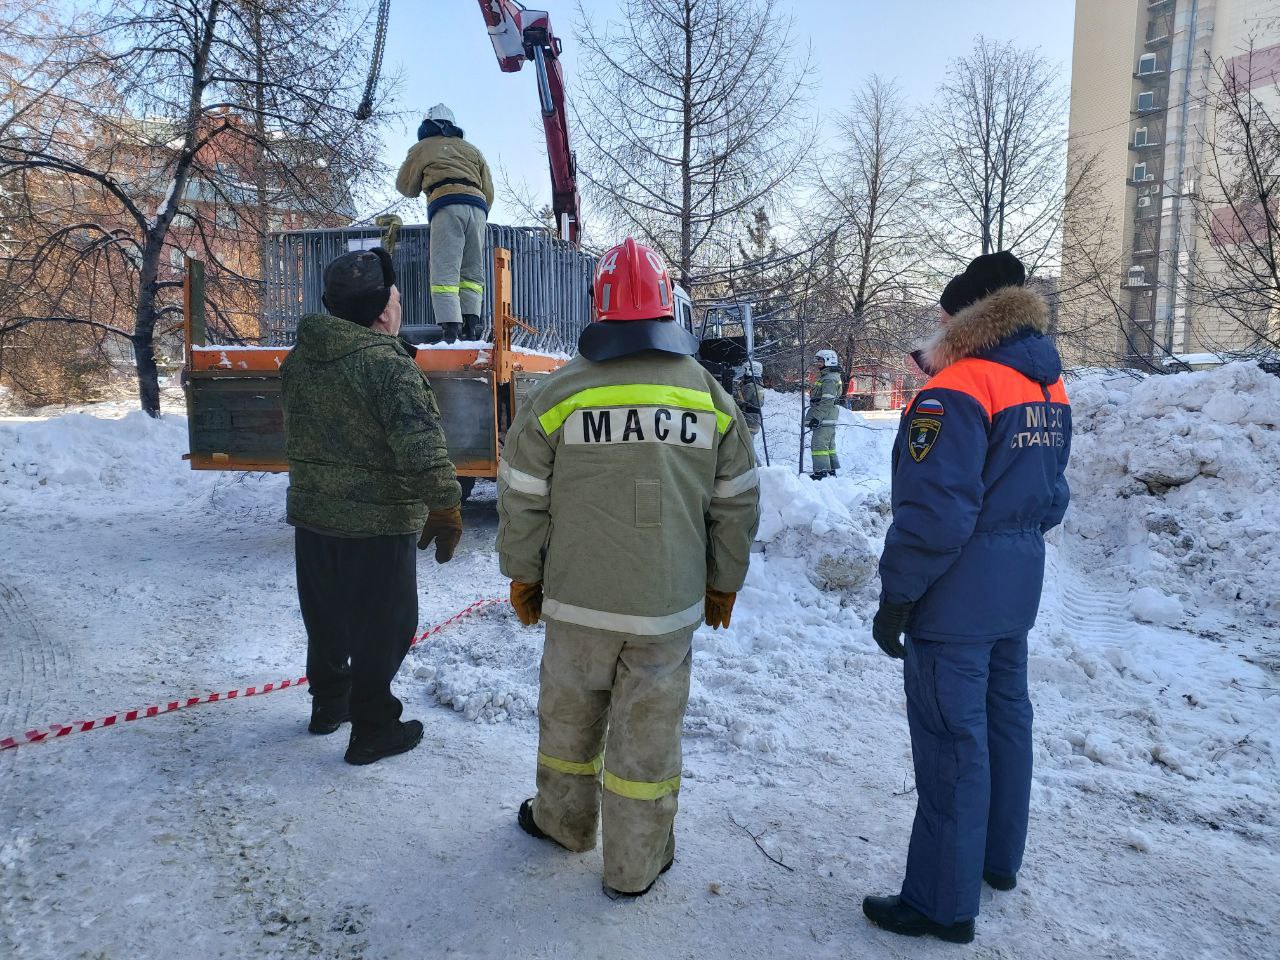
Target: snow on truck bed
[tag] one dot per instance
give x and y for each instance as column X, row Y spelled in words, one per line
column 227, row 831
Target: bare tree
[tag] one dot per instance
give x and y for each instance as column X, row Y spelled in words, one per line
column 1237, row 204
column 156, row 128
column 870, row 197
column 999, row 157
column 692, row 114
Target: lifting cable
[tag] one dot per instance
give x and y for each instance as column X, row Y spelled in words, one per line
column 365, row 110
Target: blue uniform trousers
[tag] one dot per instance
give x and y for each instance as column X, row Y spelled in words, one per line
column 970, row 719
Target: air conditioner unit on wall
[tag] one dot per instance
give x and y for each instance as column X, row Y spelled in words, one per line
column 1144, row 201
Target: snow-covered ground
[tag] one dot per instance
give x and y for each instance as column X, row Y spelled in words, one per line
column 227, row 831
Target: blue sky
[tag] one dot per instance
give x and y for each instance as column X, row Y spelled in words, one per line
column 443, row 53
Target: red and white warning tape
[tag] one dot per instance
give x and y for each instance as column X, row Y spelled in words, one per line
column 80, row 726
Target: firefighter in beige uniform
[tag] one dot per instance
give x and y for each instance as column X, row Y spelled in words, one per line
column 628, row 500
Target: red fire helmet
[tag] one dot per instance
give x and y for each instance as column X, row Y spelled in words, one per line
column 632, row 283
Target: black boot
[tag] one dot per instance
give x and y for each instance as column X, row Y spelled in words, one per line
column 400, row 737
column 613, row 894
column 818, row 475
column 890, row 913
column 1000, row 881
column 470, row 326
column 326, row 718
column 451, row 331
column 525, row 819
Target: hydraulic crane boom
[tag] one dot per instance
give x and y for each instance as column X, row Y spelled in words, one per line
column 518, row 35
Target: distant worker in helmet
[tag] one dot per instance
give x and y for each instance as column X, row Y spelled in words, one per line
column 627, row 503
column 459, row 190
column 750, row 395
column 823, row 415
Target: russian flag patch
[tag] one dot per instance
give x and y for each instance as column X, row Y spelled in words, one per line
column 931, row 407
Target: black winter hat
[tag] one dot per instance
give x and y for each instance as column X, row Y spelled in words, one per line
column 357, row 285
column 984, row 275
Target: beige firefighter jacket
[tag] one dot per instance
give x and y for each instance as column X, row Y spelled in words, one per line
column 824, row 396
column 437, row 159
column 627, row 488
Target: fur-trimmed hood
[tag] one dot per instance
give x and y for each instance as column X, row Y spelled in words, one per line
column 1007, row 326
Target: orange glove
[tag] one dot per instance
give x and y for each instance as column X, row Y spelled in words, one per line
column 445, row 528
column 526, row 601
column 719, row 607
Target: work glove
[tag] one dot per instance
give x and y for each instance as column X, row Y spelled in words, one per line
column 719, row 607
column 890, row 620
column 526, row 601
column 812, row 423
column 445, row 528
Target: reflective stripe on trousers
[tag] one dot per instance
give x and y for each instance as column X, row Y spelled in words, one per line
column 631, row 692
column 456, row 262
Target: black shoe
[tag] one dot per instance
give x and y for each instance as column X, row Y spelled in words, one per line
column 401, row 737
column 470, row 326
column 326, row 718
column 890, row 913
column 1000, row 881
column 451, row 331
column 613, row 894
column 525, row 819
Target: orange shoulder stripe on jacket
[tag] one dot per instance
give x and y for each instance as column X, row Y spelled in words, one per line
column 993, row 385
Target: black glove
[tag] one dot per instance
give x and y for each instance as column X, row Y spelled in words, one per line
column 890, row 620
column 812, row 423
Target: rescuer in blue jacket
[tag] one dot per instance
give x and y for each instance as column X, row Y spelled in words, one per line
column 977, row 481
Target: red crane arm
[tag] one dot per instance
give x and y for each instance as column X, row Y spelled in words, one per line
column 519, row 35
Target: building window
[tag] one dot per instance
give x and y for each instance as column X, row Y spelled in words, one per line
column 1139, row 172
column 1137, row 276
column 1147, row 63
column 1140, row 137
column 1146, row 100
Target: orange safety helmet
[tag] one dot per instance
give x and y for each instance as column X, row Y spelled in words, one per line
column 632, row 283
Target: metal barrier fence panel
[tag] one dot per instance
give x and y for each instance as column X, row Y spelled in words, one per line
column 550, row 282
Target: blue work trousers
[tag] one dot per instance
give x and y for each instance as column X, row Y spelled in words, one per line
column 970, row 719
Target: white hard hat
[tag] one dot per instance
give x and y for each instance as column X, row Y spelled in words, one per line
column 441, row 113
column 827, row 358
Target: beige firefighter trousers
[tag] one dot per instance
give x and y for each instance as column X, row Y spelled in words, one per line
column 610, row 708
column 456, row 262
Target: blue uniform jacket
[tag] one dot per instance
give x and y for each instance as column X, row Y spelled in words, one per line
column 978, row 474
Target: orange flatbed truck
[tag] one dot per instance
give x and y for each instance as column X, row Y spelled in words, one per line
column 235, row 412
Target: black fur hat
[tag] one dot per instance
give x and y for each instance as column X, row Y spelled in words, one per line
column 984, row 275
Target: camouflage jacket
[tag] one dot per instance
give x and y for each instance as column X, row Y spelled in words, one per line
column 362, row 433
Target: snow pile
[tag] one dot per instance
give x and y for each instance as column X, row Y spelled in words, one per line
column 1175, row 483
column 82, row 463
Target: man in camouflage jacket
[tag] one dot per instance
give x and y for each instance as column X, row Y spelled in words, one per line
column 368, row 471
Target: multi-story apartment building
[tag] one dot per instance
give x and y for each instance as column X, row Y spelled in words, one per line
column 1142, row 90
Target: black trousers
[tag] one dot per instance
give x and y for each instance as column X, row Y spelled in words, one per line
column 359, row 600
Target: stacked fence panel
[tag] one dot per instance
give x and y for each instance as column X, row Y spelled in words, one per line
column 550, row 282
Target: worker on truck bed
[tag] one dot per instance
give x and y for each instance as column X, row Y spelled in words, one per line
column 368, row 471
column 455, row 178
column 627, row 502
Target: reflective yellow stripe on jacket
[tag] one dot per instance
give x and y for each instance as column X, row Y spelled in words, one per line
column 633, row 395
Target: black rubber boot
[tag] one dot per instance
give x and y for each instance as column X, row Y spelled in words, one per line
column 890, row 913
column 819, row 474
column 451, row 331
column 326, row 718
column 613, row 894
column 471, row 326
column 525, row 819
column 1000, row 881
column 401, row 737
